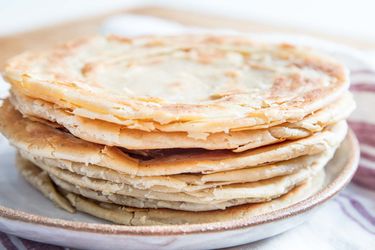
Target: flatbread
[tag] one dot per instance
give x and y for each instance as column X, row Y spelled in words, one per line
column 183, row 182
column 189, row 83
column 45, row 141
column 264, row 189
column 140, row 202
column 142, row 217
column 137, row 202
column 111, row 134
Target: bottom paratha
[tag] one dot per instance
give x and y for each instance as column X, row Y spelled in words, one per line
column 210, row 199
column 137, row 216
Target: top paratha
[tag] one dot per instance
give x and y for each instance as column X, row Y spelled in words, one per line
column 181, row 83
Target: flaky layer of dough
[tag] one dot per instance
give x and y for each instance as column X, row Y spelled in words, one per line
column 46, row 141
column 116, row 135
column 140, row 216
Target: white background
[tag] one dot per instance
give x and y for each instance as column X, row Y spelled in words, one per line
column 352, row 18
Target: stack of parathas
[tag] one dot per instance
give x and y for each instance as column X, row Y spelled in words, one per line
column 173, row 130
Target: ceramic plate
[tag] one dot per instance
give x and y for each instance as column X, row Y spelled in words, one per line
column 26, row 213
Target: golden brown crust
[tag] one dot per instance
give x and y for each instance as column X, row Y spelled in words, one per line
column 201, row 81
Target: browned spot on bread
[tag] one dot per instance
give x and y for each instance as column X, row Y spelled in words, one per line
column 232, row 73
column 333, row 69
column 286, row 46
column 155, row 43
column 293, row 82
column 87, row 68
column 75, row 44
column 121, row 39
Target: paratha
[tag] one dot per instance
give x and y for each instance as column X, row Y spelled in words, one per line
column 111, row 134
column 135, row 216
column 185, row 182
column 210, row 199
column 194, row 83
column 45, row 141
column 138, row 217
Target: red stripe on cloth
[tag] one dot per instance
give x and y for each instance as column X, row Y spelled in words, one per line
column 362, row 71
column 6, row 242
column 360, row 126
column 33, row 245
column 367, row 156
column 365, row 177
column 352, row 217
column 363, row 87
column 366, row 139
column 360, row 208
column 364, row 131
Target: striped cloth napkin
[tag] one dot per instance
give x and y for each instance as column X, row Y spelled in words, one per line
column 345, row 222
